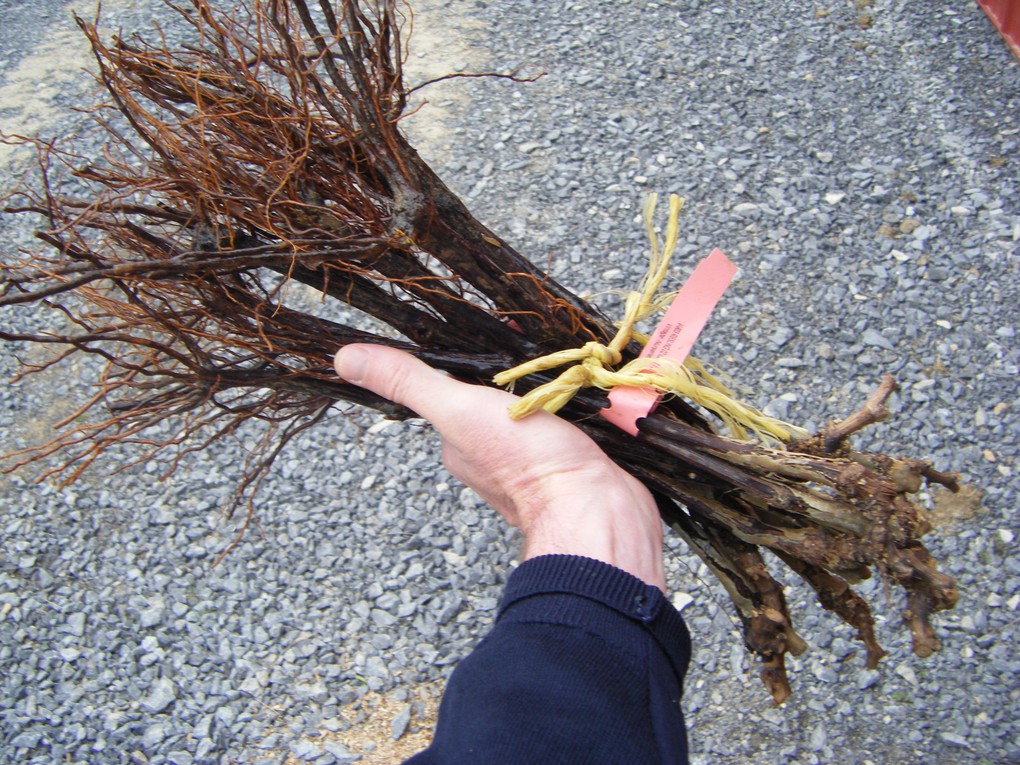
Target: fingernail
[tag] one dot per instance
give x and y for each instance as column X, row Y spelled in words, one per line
column 352, row 364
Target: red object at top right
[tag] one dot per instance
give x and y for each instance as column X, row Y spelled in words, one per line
column 1005, row 14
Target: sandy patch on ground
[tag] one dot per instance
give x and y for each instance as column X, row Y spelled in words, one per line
column 443, row 41
column 950, row 508
column 371, row 732
column 29, row 94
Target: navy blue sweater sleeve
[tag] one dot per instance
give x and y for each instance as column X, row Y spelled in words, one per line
column 585, row 664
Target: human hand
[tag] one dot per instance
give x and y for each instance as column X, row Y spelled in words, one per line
column 541, row 473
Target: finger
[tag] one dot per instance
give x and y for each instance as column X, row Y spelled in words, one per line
column 403, row 379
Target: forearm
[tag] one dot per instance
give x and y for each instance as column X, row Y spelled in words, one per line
column 584, row 665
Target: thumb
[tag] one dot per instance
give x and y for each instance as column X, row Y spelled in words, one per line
column 397, row 376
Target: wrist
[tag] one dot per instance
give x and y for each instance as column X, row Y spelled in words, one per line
column 622, row 529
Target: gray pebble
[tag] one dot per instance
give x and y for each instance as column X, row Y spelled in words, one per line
column 955, row 739
column 339, row 751
column 161, row 695
column 781, row 336
column 75, row 624
column 28, row 739
column 400, row 722
column 306, row 750
column 153, row 615
column 867, row 678
column 154, row 734
column 876, row 339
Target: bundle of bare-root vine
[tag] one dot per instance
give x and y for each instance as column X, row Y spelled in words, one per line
column 268, row 152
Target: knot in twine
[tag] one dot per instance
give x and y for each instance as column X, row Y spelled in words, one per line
column 592, row 370
column 594, row 361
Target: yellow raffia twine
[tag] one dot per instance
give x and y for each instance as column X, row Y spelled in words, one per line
column 593, row 361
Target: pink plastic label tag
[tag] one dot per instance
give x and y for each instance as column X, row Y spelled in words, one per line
column 674, row 337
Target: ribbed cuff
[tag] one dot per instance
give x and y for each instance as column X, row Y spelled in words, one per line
column 612, row 587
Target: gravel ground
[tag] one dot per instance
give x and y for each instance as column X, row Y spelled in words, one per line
column 860, row 163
